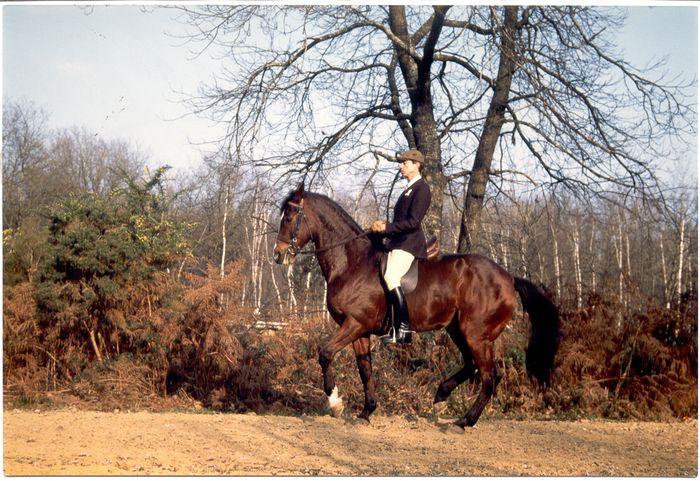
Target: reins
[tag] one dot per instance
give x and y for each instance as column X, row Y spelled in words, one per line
column 293, row 241
column 349, row 239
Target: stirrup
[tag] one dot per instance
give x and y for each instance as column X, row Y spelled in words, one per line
column 404, row 337
column 390, row 337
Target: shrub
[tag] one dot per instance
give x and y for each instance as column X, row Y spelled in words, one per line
column 104, row 285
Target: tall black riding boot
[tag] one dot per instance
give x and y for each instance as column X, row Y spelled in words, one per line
column 401, row 332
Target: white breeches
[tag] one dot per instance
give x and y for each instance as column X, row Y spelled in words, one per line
column 397, row 264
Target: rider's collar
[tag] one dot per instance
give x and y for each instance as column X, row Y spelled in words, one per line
column 414, row 180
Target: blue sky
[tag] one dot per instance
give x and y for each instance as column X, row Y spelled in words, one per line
column 115, row 70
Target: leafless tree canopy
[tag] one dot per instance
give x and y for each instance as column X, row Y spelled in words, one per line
column 41, row 165
column 538, row 95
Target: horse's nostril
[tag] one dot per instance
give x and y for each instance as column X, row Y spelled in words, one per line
column 277, row 256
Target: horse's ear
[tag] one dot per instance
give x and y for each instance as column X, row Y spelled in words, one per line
column 300, row 190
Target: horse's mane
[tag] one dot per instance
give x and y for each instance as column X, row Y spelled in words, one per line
column 286, row 200
column 335, row 207
column 328, row 202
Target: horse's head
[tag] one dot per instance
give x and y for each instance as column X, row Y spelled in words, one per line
column 294, row 230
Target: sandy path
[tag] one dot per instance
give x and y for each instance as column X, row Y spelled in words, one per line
column 95, row 443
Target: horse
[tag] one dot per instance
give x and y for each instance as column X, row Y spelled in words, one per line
column 469, row 295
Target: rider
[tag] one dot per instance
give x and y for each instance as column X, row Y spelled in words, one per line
column 406, row 240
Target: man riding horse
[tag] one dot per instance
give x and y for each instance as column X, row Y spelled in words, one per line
column 406, row 241
column 468, row 295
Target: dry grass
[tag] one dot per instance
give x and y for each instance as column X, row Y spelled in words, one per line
column 208, row 354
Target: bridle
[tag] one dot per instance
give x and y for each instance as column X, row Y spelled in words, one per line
column 294, row 249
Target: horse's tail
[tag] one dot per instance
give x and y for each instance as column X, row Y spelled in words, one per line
column 544, row 336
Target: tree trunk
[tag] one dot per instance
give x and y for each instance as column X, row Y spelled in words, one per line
column 423, row 135
column 254, row 228
column 290, row 285
column 503, row 242
column 577, row 262
column 557, row 270
column 593, row 254
column 272, row 273
column 618, row 247
column 227, row 193
column 495, row 117
column 307, row 296
column 323, row 305
column 627, row 254
column 523, row 261
column 681, row 248
column 540, row 263
column 664, row 272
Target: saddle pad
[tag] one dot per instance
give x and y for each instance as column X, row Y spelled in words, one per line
column 409, row 281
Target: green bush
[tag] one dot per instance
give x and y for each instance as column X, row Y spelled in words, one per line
column 105, row 275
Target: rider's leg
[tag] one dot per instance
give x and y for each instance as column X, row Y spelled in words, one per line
column 398, row 263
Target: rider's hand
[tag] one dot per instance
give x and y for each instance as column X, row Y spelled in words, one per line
column 378, row 226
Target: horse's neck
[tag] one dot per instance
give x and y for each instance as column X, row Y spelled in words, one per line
column 336, row 255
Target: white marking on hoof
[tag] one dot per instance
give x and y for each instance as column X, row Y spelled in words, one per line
column 335, row 402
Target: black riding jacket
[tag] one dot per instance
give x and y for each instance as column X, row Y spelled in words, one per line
column 405, row 231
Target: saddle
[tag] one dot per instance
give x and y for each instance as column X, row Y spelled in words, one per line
column 409, row 281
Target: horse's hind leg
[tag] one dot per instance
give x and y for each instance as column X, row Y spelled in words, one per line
column 466, row 373
column 482, row 350
column 364, row 365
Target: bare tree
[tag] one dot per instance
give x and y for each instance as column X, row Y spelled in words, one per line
column 538, row 94
column 255, row 225
column 81, row 161
column 334, row 88
column 563, row 91
column 575, row 229
column 41, row 166
column 24, row 160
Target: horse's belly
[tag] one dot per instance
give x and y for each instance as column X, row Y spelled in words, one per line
column 427, row 313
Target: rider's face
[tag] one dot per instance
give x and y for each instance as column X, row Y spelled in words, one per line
column 409, row 169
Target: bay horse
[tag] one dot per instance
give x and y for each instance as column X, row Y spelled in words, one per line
column 469, row 295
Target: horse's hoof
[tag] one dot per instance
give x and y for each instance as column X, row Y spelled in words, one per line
column 470, row 423
column 335, row 403
column 466, row 422
column 364, row 415
column 452, row 428
column 358, row 421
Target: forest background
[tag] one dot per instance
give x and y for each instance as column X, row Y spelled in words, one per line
column 128, row 287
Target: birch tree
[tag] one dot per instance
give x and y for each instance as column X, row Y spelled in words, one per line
column 576, row 244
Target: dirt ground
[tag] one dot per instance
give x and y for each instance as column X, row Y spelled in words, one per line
column 71, row 442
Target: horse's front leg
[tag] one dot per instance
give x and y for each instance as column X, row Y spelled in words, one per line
column 364, row 365
column 349, row 331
